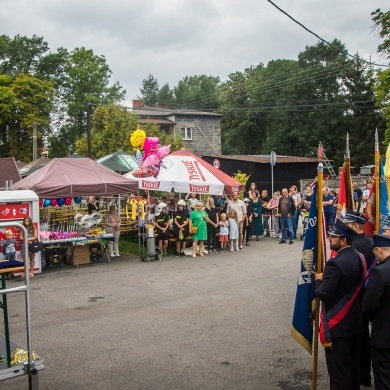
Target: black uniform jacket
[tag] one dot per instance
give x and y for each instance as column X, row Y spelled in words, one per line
column 342, row 274
column 376, row 303
column 363, row 245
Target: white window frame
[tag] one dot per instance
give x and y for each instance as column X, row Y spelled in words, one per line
column 186, row 133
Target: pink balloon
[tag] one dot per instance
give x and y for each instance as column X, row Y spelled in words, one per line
column 163, row 151
column 68, row 201
column 152, row 159
column 150, row 146
column 54, row 202
column 40, row 203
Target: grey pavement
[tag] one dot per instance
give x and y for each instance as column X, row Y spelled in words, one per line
column 218, row 322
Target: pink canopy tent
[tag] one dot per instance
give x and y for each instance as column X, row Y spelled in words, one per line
column 184, row 172
column 75, row 177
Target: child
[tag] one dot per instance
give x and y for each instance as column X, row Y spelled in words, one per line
column 223, row 232
column 233, row 230
column 9, row 246
column 162, row 225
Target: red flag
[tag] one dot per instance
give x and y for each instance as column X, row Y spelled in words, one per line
column 369, row 212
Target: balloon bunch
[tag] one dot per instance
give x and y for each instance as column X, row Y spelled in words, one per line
column 149, row 153
column 59, row 201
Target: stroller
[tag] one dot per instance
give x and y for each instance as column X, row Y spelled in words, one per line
column 305, row 218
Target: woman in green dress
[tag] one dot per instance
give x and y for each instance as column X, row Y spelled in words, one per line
column 257, row 218
column 198, row 220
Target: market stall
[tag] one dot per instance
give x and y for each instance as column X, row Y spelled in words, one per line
column 59, row 186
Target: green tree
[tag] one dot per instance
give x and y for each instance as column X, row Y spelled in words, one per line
column 24, row 99
column 198, row 92
column 87, row 81
column 149, row 91
column 165, row 96
column 382, row 87
column 112, row 126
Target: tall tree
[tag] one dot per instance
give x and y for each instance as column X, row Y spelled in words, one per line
column 382, row 87
column 198, row 92
column 24, row 99
column 149, row 91
column 87, row 81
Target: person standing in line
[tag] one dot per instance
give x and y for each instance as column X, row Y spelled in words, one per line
column 286, row 211
column 327, row 203
column 358, row 194
column 339, row 288
column 113, row 226
column 212, row 224
column 180, row 224
column 266, row 214
column 233, row 231
column 362, row 244
column 257, row 216
column 273, row 206
column 198, row 219
column 32, row 235
column 366, row 194
column 162, row 225
column 223, row 232
column 234, row 203
column 192, row 200
column 252, row 188
column 93, row 205
column 376, row 304
column 297, row 200
column 247, row 229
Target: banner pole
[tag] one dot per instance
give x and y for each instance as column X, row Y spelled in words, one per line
column 319, row 266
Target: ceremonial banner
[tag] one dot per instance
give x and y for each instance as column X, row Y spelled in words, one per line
column 302, row 321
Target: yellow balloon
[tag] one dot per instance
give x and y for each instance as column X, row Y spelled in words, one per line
column 137, row 139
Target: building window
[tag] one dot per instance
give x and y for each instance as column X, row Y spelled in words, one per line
column 186, row 133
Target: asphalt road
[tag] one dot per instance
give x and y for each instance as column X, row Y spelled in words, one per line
column 218, row 322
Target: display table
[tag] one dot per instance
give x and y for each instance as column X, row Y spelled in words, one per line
column 77, row 242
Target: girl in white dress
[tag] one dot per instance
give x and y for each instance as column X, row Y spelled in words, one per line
column 233, row 230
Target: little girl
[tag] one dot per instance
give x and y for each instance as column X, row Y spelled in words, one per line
column 223, row 232
column 233, row 230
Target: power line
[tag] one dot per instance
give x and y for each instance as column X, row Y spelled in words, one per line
column 316, row 35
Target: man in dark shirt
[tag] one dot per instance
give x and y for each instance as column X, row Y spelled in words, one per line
column 286, row 210
column 358, row 194
column 375, row 304
column 338, row 288
column 362, row 244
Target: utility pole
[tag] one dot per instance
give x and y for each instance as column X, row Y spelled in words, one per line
column 89, row 125
column 34, row 141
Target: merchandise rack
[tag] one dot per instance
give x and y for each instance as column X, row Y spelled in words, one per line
column 30, row 368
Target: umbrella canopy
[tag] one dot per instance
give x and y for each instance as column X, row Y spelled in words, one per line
column 75, row 177
column 34, row 166
column 185, row 172
column 119, row 161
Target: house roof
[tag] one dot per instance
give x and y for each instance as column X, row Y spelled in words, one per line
column 265, row 159
column 9, row 171
column 163, row 112
column 161, row 121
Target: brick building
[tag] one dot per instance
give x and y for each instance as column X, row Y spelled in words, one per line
column 200, row 131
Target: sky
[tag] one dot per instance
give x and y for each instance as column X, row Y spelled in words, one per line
column 172, row 39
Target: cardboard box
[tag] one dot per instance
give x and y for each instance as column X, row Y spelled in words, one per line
column 80, row 255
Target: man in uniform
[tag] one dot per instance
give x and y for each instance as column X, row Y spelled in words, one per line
column 362, row 244
column 342, row 319
column 376, row 303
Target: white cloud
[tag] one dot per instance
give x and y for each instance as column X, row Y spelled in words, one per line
column 174, row 38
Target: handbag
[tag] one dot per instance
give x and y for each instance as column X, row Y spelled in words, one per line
column 35, row 246
column 194, row 229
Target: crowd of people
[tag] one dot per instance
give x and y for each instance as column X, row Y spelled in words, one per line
column 225, row 223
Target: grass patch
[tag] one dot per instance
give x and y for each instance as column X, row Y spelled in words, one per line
column 131, row 247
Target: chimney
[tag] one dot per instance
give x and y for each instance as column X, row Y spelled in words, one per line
column 138, row 103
